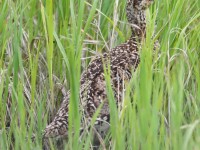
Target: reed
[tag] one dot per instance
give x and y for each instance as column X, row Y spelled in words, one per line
column 45, row 45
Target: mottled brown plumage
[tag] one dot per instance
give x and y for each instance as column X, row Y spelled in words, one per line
column 123, row 60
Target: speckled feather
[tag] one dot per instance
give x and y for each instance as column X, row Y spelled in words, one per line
column 123, row 60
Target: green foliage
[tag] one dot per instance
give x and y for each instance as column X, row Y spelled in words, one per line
column 41, row 46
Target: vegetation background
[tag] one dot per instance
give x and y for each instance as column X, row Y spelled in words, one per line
column 45, row 45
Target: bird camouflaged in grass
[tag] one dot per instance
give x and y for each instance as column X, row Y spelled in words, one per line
column 123, row 60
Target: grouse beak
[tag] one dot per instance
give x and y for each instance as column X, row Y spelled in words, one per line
column 146, row 3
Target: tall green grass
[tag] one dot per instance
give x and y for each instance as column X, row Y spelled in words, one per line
column 41, row 46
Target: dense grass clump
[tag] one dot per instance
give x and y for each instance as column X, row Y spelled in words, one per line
column 45, row 45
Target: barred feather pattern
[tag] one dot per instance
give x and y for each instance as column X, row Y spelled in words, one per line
column 123, row 60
